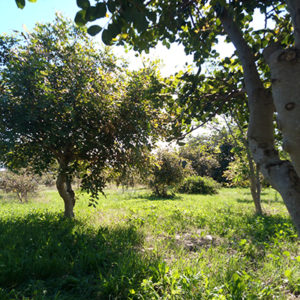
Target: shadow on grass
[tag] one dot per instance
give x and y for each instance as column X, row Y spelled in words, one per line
column 46, row 257
column 262, row 193
column 152, row 197
column 269, row 200
column 261, row 229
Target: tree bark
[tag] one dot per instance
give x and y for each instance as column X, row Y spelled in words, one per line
column 63, row 184
column 253, row 177
column 294, row 9
column 285, row 73
column 258, row 185
column 254, row 184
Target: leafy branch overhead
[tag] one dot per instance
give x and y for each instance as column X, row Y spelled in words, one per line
column 21, row 3
column 269, row 82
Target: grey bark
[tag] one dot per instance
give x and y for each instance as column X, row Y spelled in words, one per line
column 285, row 69
column 254, row 181
column 294, row 9
column 63, row 184
column 254, row 184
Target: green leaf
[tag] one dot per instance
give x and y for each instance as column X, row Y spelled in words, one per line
column 107, row 37
column 243, row 242
column 114, row 29
column 111, row 5
column 33, row 1
column 288, row 273
column 151, row 16
column 140, row 21
column 20, row 3
column 101, row 10
column 84, row 4
column 80, row 19
column 91, row 14
column 94, row 30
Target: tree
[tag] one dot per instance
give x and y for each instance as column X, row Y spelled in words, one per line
column 210, row 154
column 243, row 164
column 268, row 60
column 167, row 172
column 22, row 183
column 196, row 25
column 65, row 101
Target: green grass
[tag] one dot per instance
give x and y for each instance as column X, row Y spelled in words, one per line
column 135, row 246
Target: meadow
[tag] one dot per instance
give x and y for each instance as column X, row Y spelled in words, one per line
column 136, row 246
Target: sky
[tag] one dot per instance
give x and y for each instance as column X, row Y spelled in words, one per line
column 13, row 18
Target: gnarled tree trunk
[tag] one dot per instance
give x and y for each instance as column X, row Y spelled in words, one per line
column 285, row 70
column 63, row 184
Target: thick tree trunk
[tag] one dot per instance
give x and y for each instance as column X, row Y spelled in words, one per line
column 285, row 72
column 64, row 188
column 285, row 69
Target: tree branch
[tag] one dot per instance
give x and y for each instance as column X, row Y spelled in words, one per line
column 294, row 9
column 245, row 54
column 261, row 129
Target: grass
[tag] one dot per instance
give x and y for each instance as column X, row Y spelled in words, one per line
column 134, row 246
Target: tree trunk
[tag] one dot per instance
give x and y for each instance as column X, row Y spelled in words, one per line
column 258, row 185
column 254, row 184
column 253, row 176
column 285, row 71
column 19, row 197
column 63, row 184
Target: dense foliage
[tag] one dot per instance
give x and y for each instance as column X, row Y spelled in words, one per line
column 63, row 100
column 199, row 185
column 210, row 154
column 167, row 172
column 261, row 55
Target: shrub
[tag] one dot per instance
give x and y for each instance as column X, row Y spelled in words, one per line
column 167, row 172
column 22, row 183
column 199, row 185
column 47, row 179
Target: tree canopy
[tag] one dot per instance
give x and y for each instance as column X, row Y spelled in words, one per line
column 267, row 59
column 67, row 102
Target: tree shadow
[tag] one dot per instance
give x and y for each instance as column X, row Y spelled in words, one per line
column 270, row 200
column 262, row 193
column 269, row 228
column 152, row 197
column 44, row 256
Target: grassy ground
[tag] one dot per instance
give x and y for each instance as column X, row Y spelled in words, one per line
column 134, row 246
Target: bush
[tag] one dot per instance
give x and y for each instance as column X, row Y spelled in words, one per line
column 22, row 183
column 47, row 179
column 167, row 172
column 199, row 185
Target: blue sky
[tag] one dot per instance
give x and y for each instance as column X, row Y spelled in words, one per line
column 13, row 18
